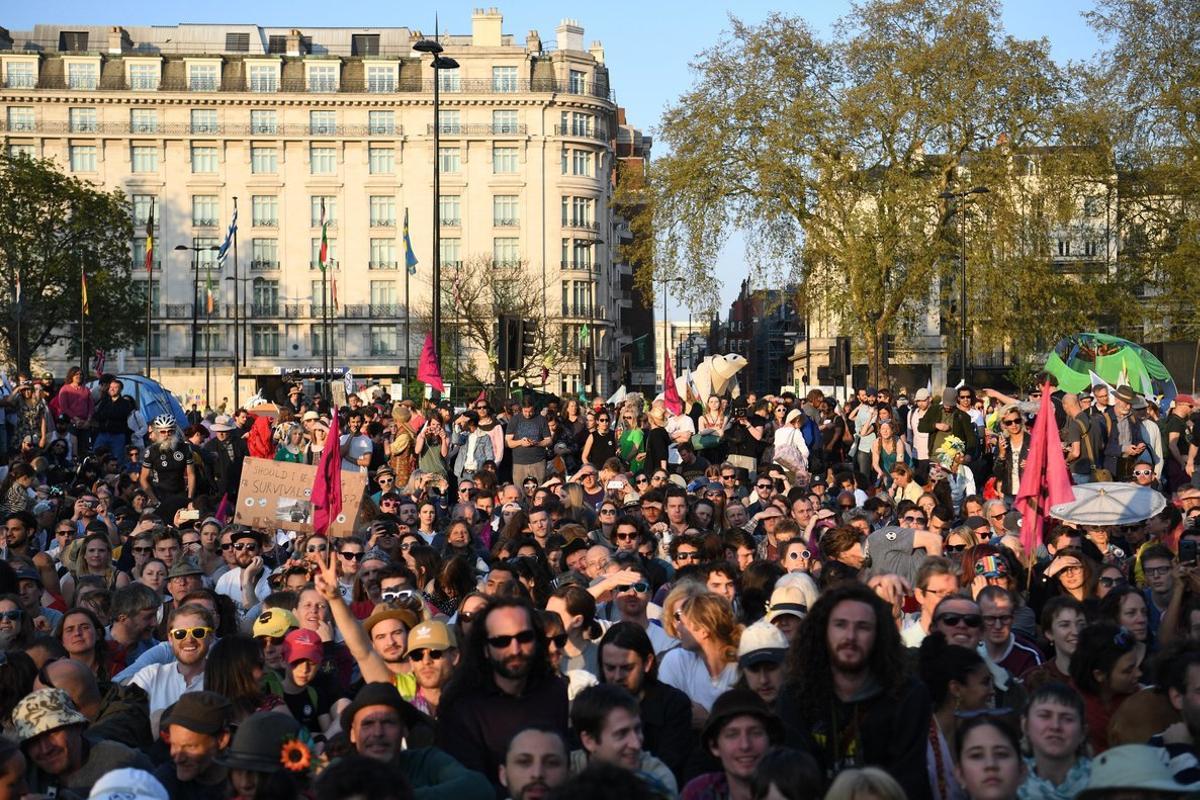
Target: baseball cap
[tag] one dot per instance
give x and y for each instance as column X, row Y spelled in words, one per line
column 922, row 394
column 787, row 600
column 303, row 644
column 1184, row 400
column 761, row 643
column 431, row 635
column 310, row 416
column 275, row 622
column 128, row 783
column 208, row 713
column 791, row 415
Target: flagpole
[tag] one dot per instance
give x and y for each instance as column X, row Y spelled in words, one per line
column 17, row 295
column 82, row 314
column 149, row 295
column 236, row 315
column 208, row 303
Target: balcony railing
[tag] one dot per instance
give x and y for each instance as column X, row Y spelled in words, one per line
column 331, row 264
column 383, row 223
column 583, row 133
column 199, row 222
column 586, row 266
column 479, row 129
column 578, row 310
column 582, row 224
column 451, row 264
column 264, row 310
column 264, row 264
column 264, row 223
column 241, row 84
column 506, row 222
column 125, row 128
column 385, row 310
column 383, row 264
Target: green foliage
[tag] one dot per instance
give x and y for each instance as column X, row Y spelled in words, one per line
column 53, row 225
column 832, row 154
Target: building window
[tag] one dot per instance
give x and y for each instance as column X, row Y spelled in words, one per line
column 237, row 42
column 504, row 160
column 1064, row 247
column 448, row 159
column 323, row 160
column 504, row 79
column 205, row 257
column 264, row 210
column 383, row 254
column 581, row 163
column 264, row 78
column 317, row 333
column 263, row 161
column 143, row 205
column 264, row 254
column 450, row 252
column 83, row 75
column 265, row 340
column 139, row 256
column 381, row 123
column 581, row 252
column 143, row 120
column 16, row 150
column 382, row 160
column 204, row 210
column 143, row 77
column 145, row 158
column 504, row 210
column 449, row 80
column 1091, row 248
column 204, row 120
column 330, row 210
column 506, row 252
column 579, row 124
column 322, row 123
column 19, row 75
column 211, row 338
column 83, row 158
column 204, row 77
column 204, row 160
column 383, row 212
column 20, row 118
column 331, row 259
column 384, row 341
column 450, row 121
column 383, row 297
column 266, row 297
column 577, row 82
column 322, row 77
column 139, row 286
column 450, row 210
column 381, row 78
column 82, row 120
column 504, row 122
column 263, row 121
column 139, row 343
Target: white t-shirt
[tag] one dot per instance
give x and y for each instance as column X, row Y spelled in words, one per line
column 230, row 585
column 674, row 426
column 688, row 673
column 165, row 684
column 359, row 447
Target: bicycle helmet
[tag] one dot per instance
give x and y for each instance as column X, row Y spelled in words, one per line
column 163, row 421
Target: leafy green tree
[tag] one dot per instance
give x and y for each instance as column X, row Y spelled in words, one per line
column 52, row 226
column 833, row 156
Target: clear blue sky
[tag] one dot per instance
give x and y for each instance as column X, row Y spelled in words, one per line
column 648, row 46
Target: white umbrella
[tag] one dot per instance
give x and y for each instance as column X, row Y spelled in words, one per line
column 1110, row 504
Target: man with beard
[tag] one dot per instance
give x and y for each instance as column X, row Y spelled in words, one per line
column 198, row 728
column 433, row 653
column 168, row 477
column 19, row 529
column 50, row 731
column 249, row 582
column 504, row 684
column 848, row 700
column 378, row 722
column 535, row 764
column 191, row 631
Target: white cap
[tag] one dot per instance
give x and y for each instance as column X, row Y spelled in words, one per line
column 922, row 394
column 1134, row 767
column 128, row 784
column 761, row 642
column 787, row 600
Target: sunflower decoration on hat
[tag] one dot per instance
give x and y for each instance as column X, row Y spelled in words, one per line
column 298, row 754
column 950, row 452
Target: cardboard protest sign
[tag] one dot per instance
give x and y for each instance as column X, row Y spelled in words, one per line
column 278, row 494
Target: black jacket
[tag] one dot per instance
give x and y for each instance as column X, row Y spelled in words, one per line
column 227, row 472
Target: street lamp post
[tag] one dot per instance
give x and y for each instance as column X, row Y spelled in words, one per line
column 440, row 62
column 196, row 251
column 962, row 267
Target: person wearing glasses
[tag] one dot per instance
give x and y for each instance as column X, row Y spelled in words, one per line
column 1012, row 450
column 601, row 444
column 249, row 582
column 1004, row 647
column 936, row 580
column 960, row 687
column 190, row 632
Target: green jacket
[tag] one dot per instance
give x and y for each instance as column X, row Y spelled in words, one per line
column 960, row 426
column 434, row 774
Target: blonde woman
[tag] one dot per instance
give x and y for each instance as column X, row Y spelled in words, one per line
column 705, row 664
column 657, row 441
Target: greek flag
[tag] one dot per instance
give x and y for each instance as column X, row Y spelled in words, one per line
column 225, row 245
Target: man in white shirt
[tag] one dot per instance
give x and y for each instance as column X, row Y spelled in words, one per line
column 356, row 446
column 245, row 584
column 631, row 601
column 191, row 631
column 936, row 580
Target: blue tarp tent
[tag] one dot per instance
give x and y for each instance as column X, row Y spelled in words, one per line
column 151, row 398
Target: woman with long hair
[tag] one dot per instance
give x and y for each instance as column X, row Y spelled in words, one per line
column 235, row 669
column 153, row 574
column 706, row 662
column 631, row 443
column 1062, row 622
column 425, row 563
column 1127, row 607
column 16, row 626
column 1104, row 670
column 1053, row 724
column 455, row 580
column 887, row 451
column 81, row 633
column 959, row 681
column 460, row 542
column 14, row 491
column 989, row 765
column 16, row 682
column 290, row 440
column 93, row 556
column 33, row 425
column 575, row 505
column 657, row 441
column 1070, row 574
column 1012, row 449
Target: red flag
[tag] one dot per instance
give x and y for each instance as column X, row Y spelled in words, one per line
column 428, row 370
column 1046, row 481
column 481, row 397
column 327, row 483
column 670, row 393
column 260, row 441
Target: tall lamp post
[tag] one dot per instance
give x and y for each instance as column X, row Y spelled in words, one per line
column 960, row 210
column 196, row 251
column 440, row 62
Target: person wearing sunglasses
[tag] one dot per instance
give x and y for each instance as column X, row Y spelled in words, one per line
column 1012, row 449
column 190, row 633
column 576, row 607
column 433, row 653
column 249, row 581
column 631, row 594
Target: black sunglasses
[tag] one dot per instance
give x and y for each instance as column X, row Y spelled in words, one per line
column 350, row 554
column 954, row 620
column 501, row 642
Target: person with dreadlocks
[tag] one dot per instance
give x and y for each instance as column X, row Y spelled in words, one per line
column 848, row 699
column 168, row 477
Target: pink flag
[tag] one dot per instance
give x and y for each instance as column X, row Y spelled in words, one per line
column 327, row 483
column 670, row 393
column 428, row 370
column 1045, row 481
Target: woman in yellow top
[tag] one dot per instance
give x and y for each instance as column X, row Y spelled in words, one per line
column 403, row 448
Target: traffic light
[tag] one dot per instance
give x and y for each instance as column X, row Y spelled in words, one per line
column 508, row 346
column 529, row 332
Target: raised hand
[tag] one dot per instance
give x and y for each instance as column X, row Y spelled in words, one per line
column 325, row 577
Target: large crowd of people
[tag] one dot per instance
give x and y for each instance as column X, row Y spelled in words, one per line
column 759, row 597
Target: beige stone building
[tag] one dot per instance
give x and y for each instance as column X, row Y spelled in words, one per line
column 187, row 118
